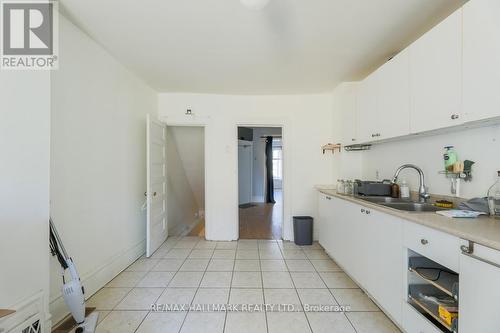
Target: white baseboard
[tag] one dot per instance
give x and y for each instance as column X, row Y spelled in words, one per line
column 98, row 278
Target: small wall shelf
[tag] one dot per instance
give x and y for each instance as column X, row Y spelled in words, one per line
column 457, row 175
column 332, row 147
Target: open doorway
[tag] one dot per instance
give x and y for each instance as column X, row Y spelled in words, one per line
column 186, row 180
column 260, row 182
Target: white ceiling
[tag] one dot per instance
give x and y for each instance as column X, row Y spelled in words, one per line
column 219, row 46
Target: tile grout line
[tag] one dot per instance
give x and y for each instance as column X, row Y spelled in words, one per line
column 305, row 314
column 263, row 294
column 330, row 291
column 196, row 292
column 296, row 292
column 148, row 312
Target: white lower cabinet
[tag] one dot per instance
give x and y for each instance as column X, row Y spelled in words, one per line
column 372, row 247
column 384, row 256
column 479, row 291
column 325, row 213
column 367, row 244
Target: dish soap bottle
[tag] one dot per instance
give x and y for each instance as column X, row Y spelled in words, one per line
column 404, row 190
column 494, row 198
column 450, row 158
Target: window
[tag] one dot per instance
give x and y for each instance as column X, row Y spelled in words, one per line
column 277, row 162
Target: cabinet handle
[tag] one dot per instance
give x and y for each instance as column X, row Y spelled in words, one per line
column 367, row 211
column 469, row 250
column 454, row 116
column 362, row 210
column 424, row 241
column 466, row 249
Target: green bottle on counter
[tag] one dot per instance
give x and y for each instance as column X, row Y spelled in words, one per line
column 450, row 158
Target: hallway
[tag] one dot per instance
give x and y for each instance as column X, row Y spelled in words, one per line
column 262, row 221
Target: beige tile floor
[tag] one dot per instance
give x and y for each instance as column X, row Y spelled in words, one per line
column 192, row 271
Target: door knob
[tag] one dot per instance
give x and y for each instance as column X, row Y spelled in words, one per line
column 424, row 241
column 454, row 116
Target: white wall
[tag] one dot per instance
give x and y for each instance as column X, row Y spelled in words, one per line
column 98, row 161
column 24, row 190
column 307, row 125
column 480, row 145
column 259, row 163
column 185, row 177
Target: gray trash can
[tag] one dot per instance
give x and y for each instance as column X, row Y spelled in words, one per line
column 303, row 230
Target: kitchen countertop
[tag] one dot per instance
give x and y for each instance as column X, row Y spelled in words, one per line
column 483, row 230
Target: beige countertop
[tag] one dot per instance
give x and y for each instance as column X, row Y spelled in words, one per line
column 482, row 230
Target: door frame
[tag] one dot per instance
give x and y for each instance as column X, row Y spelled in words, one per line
column 250, row 144
column 204, row 125
column 284, row 185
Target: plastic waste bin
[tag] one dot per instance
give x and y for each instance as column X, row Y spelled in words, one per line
column 303, row 230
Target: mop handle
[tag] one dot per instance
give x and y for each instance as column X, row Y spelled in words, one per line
column 58, row 239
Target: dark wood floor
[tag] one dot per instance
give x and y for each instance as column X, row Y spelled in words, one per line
column 263, row 221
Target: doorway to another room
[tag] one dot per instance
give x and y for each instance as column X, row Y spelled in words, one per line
column 186, row 180
column 260, row 182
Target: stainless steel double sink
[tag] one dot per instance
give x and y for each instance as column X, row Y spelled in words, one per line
column 401, row 204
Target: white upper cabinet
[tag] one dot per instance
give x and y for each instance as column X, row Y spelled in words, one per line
column 367, row 108
column 384, row 101
column 394, row 97
column 481, row 54
column 436, row 76
column 345, row 106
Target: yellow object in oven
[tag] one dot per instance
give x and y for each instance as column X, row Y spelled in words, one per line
column 447, row 314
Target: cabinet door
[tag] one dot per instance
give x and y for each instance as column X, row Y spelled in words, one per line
column 436, row 76
column 367, row 108
column 347, row 109
column 345, row 235
column 384, row 257
column 339, row 230
column 481, row 51
column 479, row 292
column 324, row 224
column 394, row 97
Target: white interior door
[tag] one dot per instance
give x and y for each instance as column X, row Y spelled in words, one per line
column 245, row 167
column 156, row 193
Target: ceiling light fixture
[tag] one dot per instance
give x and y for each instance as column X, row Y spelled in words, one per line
column 255, row 4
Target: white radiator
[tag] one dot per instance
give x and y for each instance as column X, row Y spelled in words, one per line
column 28, row 318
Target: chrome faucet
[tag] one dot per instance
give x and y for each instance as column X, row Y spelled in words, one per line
column 422, row 192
